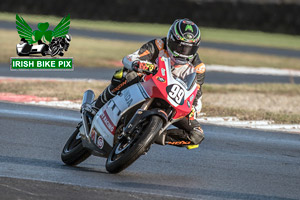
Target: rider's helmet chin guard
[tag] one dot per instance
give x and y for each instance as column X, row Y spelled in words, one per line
column 183, row 41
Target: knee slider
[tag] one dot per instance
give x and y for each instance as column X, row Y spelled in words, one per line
column 196, row 135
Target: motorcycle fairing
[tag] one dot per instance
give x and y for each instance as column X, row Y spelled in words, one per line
column 155, row 86
column 107, row 118
column 165, row 80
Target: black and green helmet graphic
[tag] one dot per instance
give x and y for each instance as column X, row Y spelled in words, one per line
column 187, row 31
column 183, row 39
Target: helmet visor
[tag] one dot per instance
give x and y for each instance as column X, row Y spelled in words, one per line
column 182, row 49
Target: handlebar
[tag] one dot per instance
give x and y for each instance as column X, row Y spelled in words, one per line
column 146, row 71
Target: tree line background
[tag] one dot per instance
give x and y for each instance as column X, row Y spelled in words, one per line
column 277, row 16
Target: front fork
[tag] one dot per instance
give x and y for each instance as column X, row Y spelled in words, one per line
column 141, row 114
column 128, row 130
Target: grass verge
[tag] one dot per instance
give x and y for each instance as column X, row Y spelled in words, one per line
column 277, row 102
column 256, row 38
column 244, row 114
column 63, row 90
column 96, row 52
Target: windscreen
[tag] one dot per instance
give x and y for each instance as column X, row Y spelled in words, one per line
column 188, row 80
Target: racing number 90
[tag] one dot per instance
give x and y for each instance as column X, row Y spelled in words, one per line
column 176, row 93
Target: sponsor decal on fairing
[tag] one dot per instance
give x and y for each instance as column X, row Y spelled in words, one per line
column 160, row 79
column 163, row 71
column 93, row 135
column 100, row 142
column 107, row 122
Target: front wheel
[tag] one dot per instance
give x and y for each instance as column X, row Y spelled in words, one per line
column 125, row 151
column 73, row 152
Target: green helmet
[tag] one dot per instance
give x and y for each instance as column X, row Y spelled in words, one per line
column 183, row 40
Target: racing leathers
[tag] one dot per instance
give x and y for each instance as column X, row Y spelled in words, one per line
column 188, row 132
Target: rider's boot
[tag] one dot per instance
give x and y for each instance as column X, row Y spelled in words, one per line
column 176, row 137
column 180, row 138
column 104, row 97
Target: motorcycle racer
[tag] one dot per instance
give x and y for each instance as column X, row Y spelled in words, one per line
column 180, row 45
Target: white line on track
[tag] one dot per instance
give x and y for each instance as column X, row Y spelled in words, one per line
column 19, row 190
column 49, row 79
column 221, row 121
column 253, row 70
column 37, row 115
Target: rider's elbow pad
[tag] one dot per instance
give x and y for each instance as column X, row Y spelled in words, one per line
column 127, row 63
column 128, row 60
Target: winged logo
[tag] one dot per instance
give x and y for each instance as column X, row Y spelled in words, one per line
column 25, row 31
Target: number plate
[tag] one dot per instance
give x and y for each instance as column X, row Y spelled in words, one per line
column 176, row 93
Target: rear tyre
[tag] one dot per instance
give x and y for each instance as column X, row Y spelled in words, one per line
column 73, row 152
column 125, row 153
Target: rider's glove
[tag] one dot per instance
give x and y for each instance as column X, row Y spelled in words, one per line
column 140, row 66
column 193, row 113
column 135, row 65
column 198, row 106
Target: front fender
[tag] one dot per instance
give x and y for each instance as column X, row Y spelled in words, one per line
column 141, row 114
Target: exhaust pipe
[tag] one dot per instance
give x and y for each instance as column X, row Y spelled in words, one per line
column 88, row 98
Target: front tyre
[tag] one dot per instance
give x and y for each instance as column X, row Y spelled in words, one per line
column 126, row 152
column 73, row 152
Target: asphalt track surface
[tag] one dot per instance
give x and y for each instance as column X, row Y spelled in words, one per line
column 143, row 39
column 231, row 163
column 107, row 73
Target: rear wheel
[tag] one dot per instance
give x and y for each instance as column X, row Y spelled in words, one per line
column 73, row 152
column 127, row 150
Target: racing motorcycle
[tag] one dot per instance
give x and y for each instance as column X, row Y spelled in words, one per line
column 128, row 124
column 56, row 47
column 59, row 45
